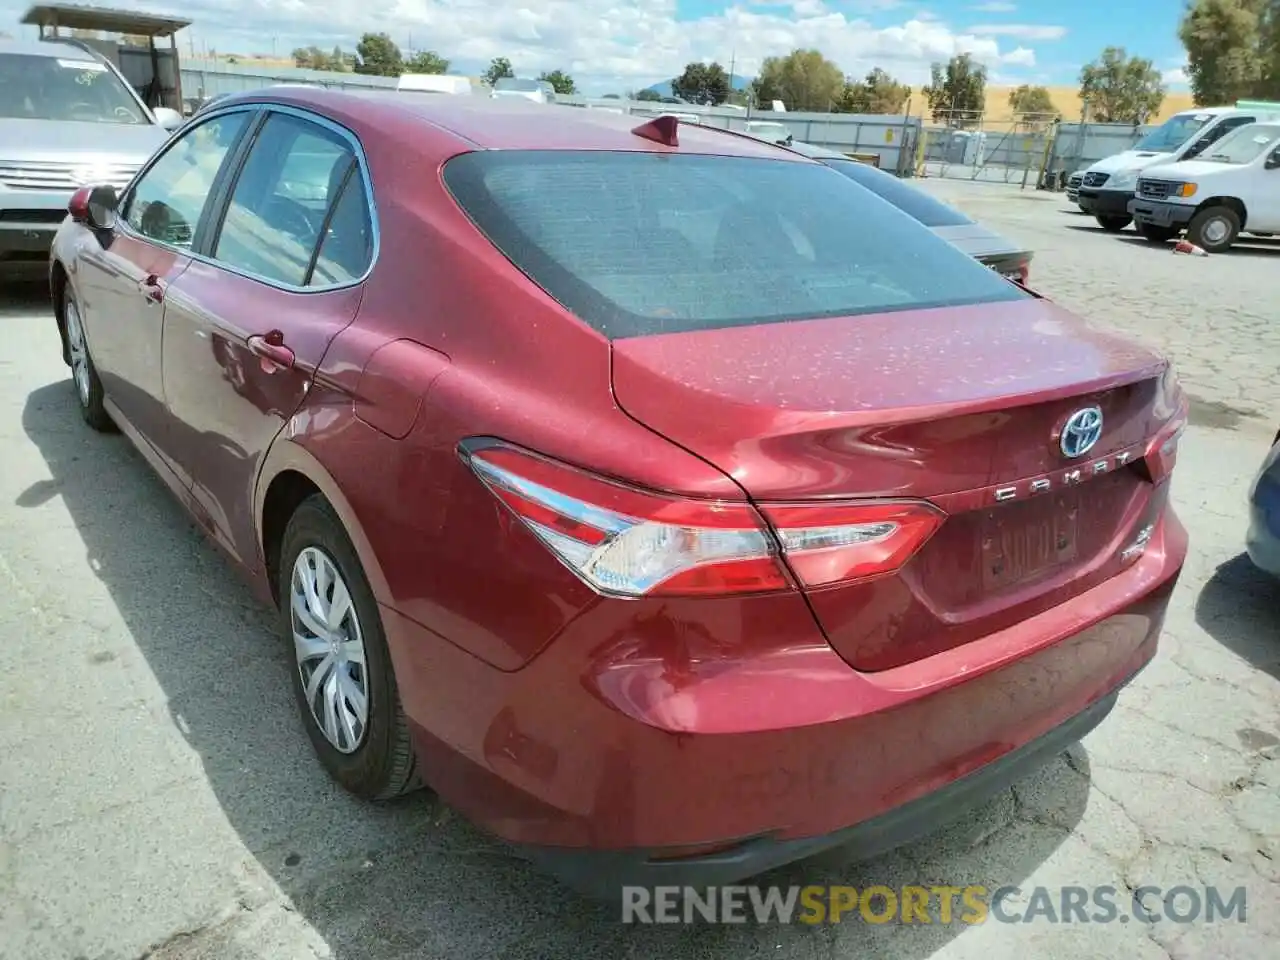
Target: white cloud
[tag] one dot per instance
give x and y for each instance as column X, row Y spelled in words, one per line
column 607, row 45
column 1021, row 57
column 1024, row 31
column 1177, row 77
column 994, row 7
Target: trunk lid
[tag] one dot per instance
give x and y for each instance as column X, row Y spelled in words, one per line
column 961, row 406
column 989, row 248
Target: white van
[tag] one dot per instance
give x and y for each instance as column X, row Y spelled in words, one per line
column 539, row 91
column 1108, row 185
column 434, row 83
column 1232, row 187
column 770, row 130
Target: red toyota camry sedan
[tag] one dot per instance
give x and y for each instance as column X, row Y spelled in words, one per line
column 669, row 503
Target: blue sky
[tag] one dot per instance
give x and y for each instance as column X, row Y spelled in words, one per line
column 613, row 45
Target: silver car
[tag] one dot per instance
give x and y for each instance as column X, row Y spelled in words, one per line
column 67, row 119
column 985, row 245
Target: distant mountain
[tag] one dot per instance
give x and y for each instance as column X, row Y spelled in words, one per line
column 663, row 89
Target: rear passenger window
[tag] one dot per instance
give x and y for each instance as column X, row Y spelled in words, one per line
column 276, row 218
column 347, row 247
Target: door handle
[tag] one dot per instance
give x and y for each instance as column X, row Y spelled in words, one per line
column 270, row 348
column 153, row 289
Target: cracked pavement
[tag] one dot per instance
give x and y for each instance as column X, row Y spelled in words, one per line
column 158, row 797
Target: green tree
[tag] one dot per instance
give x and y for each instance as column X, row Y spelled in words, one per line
column 378, row 56
column 312, row 58
column 802, row 80
column 1032, row 103
column 705, row 83
column 957, row 91
column 1120, row 88
column 499, row 69
column 876, row 93
column 1233, row 49
column 337, row 60
column 426, row 61
column 648, row 95
column 561, row 81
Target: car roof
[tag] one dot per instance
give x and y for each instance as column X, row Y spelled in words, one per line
column 515, row 123
column 45, row 48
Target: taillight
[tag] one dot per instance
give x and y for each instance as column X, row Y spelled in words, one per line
column 834, row 543
column 1162, row 455
column 630, row 543
column 1162, row 452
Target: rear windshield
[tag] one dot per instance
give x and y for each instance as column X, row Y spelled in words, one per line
column 930, row 212
column 49, row 88
column 642, row 243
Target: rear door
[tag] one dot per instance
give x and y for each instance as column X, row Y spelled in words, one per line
column 247, row 325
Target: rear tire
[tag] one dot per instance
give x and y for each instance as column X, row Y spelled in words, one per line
column 343, row 678
column 84, row 375
column 1214, row 229
column 1114, row 224
column 1150, row 231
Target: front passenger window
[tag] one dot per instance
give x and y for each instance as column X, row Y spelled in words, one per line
column 277, row 212
column 168, row 200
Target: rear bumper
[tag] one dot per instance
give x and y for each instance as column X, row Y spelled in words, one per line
column 1105, row 203
column 1159, row 213
column 602, row 874
column 648, row 750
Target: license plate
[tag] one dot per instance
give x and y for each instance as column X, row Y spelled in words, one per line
column 1026, row 540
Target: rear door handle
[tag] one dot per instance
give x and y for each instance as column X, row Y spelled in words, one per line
column 271, row 349
column 152, row 288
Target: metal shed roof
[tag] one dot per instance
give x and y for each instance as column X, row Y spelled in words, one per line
column 79, row 17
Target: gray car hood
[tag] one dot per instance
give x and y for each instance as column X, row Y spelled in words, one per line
column 55, row 141
column 977, row 241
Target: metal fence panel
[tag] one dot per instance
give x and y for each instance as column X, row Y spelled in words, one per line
column 1079, row 145
column 889, row 141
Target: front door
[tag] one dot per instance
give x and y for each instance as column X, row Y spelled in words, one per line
column 1264, row 195
column 122, row 284
column 245, row 332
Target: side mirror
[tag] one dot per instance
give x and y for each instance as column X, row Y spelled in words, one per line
column 1272, row 161
column 168, row 118
column 95, row 207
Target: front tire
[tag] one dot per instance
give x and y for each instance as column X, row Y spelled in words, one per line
column 343, row 679
column 1150, row 231
column 1215, row 229
column 1114, row 224
column 84, row 375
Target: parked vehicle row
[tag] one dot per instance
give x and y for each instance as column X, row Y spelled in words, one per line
column 672, row 504
column 1213, row 174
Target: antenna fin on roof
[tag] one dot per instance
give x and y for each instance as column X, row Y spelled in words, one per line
column 664, row 130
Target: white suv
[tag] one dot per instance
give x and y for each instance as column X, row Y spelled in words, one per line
column 67, row 119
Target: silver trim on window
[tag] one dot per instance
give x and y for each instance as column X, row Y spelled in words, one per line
column 362, row 162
